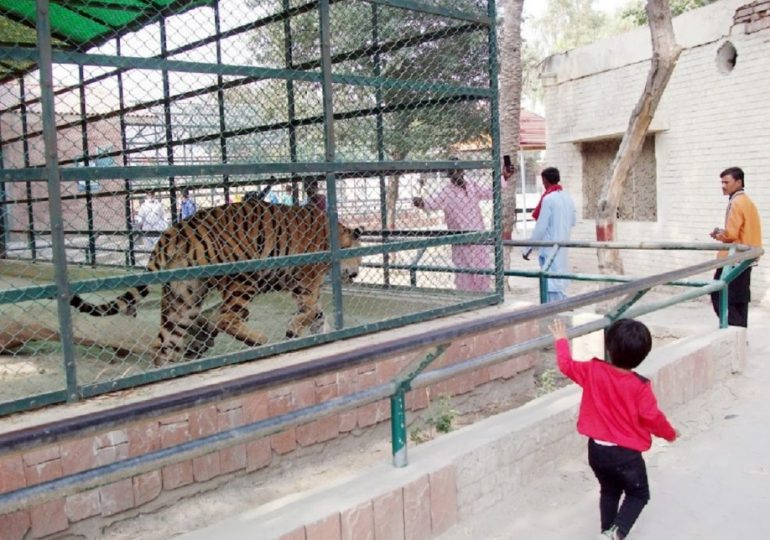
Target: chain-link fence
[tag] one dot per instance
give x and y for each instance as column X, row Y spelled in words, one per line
column 171, row 171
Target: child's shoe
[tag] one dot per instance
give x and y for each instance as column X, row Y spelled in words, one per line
column 612, row 534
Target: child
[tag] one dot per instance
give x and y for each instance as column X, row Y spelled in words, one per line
column 618, row 413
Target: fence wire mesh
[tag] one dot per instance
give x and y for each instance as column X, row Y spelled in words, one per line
column 216, row 144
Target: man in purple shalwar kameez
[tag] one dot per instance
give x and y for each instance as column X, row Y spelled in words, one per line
column 459, row 201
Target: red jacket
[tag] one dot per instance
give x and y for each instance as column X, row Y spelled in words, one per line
column 617, row 406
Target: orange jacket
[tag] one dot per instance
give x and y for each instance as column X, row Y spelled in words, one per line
column 743, row 225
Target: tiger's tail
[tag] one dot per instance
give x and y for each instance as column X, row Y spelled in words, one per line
column 125, row 303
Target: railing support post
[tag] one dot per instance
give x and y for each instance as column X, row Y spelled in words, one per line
column 398, row 427
column 403, row 383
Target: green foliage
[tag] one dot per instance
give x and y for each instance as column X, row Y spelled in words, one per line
column 565, row 25
column 418, row 123
column 418, row 435
column 546, row 383
column 636, row 13
column 440, row 415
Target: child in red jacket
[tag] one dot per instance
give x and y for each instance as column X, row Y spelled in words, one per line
column 618, row 413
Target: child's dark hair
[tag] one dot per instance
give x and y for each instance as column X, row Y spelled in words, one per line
column 628, row 342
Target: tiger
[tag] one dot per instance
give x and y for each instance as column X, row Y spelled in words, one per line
column 252, row 229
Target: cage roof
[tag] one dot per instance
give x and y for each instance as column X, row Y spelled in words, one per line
column 77, row 25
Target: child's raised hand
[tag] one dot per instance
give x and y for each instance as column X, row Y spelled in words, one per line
column 558, row 330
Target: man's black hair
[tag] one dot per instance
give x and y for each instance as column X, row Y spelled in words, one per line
column 628, row 342
column 735, row 172
column 551, row 174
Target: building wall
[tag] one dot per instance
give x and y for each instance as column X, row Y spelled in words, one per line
column 706, row 121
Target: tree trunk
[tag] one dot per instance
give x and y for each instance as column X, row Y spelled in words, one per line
column 510, row 110
column 665, row 53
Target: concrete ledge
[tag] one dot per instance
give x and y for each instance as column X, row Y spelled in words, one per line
column 464, row 472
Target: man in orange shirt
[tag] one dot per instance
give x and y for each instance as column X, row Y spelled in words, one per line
column 742, row 226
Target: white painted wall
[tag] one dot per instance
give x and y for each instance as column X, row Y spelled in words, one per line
column 706, row 122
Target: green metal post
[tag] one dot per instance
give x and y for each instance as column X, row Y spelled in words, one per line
column 542, row 279
column 27, row 164
column 497, row 199
column 3, row 207
column 131, row 253
column 54, row 197
column 91, row 251
column 377, row 70
column 398, row 428
column 329, row 151
column 168, row 120
column 398, row 404
column 221, row 104
column 288, row 56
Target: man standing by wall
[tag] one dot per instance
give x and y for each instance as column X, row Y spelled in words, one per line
column 151, row 217
column 188, row 206
column 742, row 226
column 555, row 216
column 459, row 200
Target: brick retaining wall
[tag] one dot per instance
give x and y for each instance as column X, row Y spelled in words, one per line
column 129, row 496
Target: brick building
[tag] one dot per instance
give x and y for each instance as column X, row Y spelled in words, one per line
column 713, row 115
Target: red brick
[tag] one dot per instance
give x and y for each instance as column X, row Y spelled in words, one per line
column 304, row 394
column 177, row 475
column 279, row 401
column 258, row 454
column 320, row 430
column 443, row 499
column 143, row 438
column 14, row 526
column 117, row 497
column 417, row 506
column 48, row 518
column 325, row 529
column 461, row 384
column 347, row 383
column 285, row 442
column 38, row 471
column 417, row 399
column 296, row 534
column 358, row 523
column 42, row 455
column 78, row 455
column 203, row 421
column 389, row 516
column 385, row 371
column 480, row 377
column 206, row 467
column 147, row 486
column 255, row 407
column 373, row 413
column 367, row 377
column 326, row 388
column 83, row 505
column 174, row 431
column 233, row 458
column 114, row 438
column 229, row 418
column 756, row 26
column 12, row 473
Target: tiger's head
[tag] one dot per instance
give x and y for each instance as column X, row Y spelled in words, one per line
column 349, row 238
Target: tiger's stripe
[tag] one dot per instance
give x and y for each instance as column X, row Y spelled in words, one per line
column 228, row 234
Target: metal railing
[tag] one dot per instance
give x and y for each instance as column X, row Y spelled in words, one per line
column 413, row 377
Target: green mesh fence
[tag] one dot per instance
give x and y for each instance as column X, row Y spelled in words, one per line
column 191, row 184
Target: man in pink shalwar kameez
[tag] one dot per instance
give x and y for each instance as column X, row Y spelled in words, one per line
column 459, row 201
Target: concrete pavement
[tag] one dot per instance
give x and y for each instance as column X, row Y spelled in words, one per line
column 711, row 484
